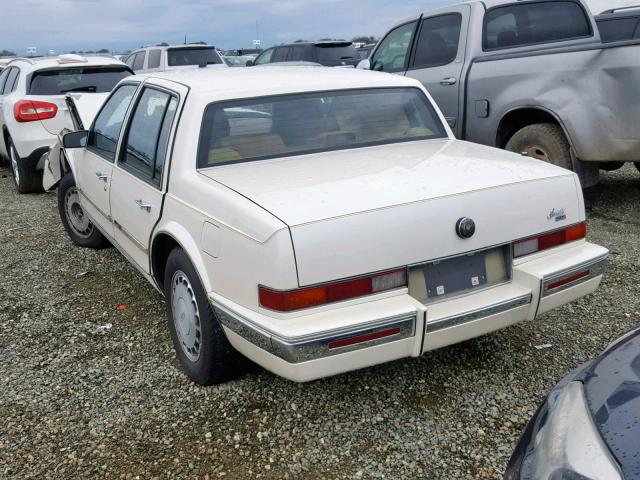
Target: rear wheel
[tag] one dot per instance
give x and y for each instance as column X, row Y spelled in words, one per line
column 26, row 178
column 80, row 229
column 202, row 348
column 543, row 141
column 637, row 164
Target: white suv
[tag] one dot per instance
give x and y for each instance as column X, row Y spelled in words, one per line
column 160, row 58
column 33, row 109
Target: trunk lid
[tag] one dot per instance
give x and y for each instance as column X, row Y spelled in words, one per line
column 358, row 211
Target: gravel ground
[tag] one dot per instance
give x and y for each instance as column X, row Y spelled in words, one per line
column 75, row 403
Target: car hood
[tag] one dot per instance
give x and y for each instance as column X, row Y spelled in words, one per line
column 612, row 387
column 310, row 188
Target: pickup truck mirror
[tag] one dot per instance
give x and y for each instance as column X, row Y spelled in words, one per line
column 364, row 64
column 75, row 139
column 249, row 63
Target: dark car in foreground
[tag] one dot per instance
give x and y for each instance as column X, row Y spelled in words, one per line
column 588, row 427
column 327, row 53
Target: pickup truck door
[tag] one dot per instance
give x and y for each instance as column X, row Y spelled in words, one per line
column 140, row 175
column 94, row 164
column 437, row 59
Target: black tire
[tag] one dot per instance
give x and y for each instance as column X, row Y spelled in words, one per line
column 543, row 141
column 637, row 164
column 79, row 228
column 25, row 176
column 206, row 356
column 611, row 166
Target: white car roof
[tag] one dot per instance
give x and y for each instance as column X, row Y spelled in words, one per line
column 232, row 83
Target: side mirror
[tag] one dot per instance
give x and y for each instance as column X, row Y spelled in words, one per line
column 364, row 64
column 75, row 139
column 249, row 63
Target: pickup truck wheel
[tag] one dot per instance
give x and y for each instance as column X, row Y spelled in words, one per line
column 26, row 178
column 78, row 226
column 543, row 141
column 202, row 348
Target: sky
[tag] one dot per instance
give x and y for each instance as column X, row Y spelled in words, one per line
column 119, row 25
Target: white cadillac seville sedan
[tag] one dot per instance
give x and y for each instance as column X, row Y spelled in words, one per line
column 319, row 220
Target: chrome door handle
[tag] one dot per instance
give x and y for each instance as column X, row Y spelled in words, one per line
column 102, row 176
column 448, row 81
column 143, row 205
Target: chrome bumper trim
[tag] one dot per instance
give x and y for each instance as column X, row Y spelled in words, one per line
column 312, row 347
column 596, row 267
column 478, row 314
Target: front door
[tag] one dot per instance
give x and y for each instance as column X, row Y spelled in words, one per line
column 94, row 164
column 137, row 186
column 438, row 59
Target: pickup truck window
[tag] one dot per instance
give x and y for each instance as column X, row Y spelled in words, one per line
column 66, row 80
column 297, row 124
column 393, row 52
column 438, row 41
column 180, row 57
column 145, row 144
column 103, row 137
column 138, row 62
column 154, row 58
column 618, row 29
column 534, row 23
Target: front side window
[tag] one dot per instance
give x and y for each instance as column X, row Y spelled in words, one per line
column 138, row 62
column 438, row 41
column 393, row 53
column 103, row 137
column 145, row 146
column 154, row 58
column 280, row 54
column 534, row 23
column 181, row 57
column 297, row 54
column 88, row 79
column 265, row 57
column 297, row 124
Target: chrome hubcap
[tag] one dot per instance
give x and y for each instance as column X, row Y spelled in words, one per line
column 14, row 165
column 537, row 152
column 186, row 316
column 80, row 223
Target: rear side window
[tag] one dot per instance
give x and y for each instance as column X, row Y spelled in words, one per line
column 154, row 58
column 11, row 81
column 3, row 78
column 180, row 57
column 619, row 29
column 87, row 79
column 138, row 62
column 534, row 23
column 297, row 124
column 438, row 41
column 393, row 53
column 103, row 137
column 148, row 135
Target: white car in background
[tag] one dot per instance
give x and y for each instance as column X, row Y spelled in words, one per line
column 161, row 58
column 33, row 109
column 319, row 220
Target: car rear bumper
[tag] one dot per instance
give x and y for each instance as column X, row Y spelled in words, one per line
column 388, row 327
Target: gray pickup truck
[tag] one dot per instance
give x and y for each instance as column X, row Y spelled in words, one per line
column 529, row 76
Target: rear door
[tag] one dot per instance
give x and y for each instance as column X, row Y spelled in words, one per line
column 139, row 178
column 437, row 59
column 94, row 164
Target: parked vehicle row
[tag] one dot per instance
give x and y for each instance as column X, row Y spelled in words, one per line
column 521, row 76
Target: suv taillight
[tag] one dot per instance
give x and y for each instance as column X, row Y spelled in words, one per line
column 290, row 300
column 549, row 240
column 32, row 110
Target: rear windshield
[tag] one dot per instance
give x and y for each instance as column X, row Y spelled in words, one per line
column 180, row 57
column 297, row 124
column 334, row 54
column 86, row 79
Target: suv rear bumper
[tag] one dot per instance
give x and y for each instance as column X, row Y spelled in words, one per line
column 385, row 328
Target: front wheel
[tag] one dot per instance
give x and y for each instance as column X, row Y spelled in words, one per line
column 543, row 141
column 202, row 348
column 80, row 229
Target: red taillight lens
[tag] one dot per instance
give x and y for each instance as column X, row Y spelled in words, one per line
column 289, row 300
column 32, row 110
column 549, row 240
